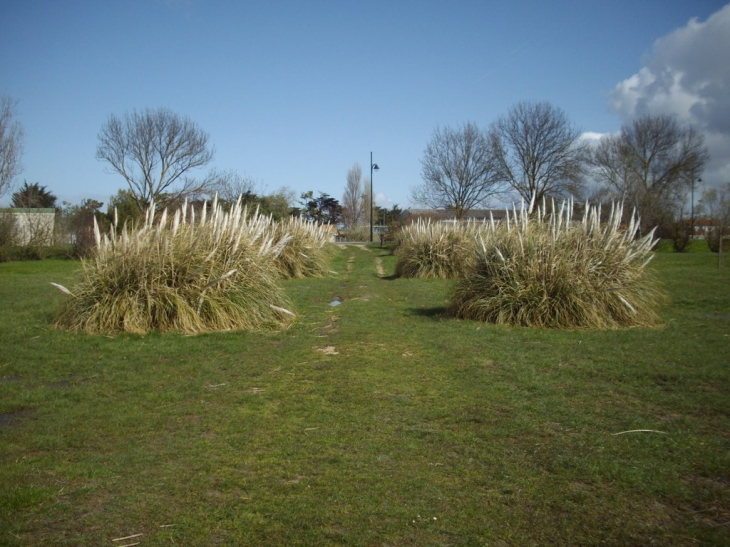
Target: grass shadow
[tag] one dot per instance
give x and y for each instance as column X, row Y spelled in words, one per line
column 438, row 312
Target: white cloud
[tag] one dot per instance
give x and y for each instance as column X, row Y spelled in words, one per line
column 591, row 137
column 687, row 75
column 381, row 200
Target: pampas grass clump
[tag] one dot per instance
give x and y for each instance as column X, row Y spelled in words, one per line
column 544, row 271
column 181, row 274
column 357, row 233
column 307, row 251
column 428, row 249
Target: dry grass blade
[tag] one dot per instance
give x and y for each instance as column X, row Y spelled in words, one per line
column 640, row 431
column 61, row 288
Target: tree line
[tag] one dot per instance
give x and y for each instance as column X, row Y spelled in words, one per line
column 535, row 153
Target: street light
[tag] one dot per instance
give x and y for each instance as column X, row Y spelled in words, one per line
column 692, row 209
column 373, row 167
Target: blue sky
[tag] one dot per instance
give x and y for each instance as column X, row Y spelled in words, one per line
column 293, row 93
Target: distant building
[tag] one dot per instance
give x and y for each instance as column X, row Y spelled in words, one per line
column 331, row 231
column 33, row 226
column 474, row 215
column 445, row 215
column 702, row 227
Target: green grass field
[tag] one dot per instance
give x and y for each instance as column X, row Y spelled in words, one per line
column 379, row 421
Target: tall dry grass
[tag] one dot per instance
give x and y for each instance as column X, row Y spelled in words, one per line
column 360, row 232
column 181, row 274
column 435, row 250
column 546, row 271
column 307, row 250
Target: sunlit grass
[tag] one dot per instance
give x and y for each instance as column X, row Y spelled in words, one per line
column 380, row 421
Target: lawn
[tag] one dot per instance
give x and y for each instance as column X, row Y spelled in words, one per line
column 378, row 421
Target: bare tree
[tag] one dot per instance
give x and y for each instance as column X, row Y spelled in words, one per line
column 229, row 185
column 458, row 170
column 650, row 162
column 715, row 204
column 279, row 204
column 11, row 144
column 154, row 150
column 353, row 207
column 8, row 229
column 538, row 152
column 366, row 201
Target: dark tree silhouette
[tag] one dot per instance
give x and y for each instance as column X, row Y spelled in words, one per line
column 33, row 196
column 323, row 209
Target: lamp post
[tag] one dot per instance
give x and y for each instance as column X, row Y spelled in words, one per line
column 692, row 209
column 373, row 167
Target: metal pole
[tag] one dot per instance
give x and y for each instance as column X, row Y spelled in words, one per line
column 692, row 212
column 371, row 197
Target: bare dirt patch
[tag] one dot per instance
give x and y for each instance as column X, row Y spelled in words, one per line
column 330, row 327
column 327, row 350
column 379, row 267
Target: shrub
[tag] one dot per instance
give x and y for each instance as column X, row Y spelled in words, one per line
column 550, row 272
column 7, row 228
column 305, row 248
column 7, row 234
column 183, row 275
column 434, row 249
column 714, row 240
column 360, row 232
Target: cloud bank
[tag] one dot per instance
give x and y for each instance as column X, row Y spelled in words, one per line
column 591, row 137
column 687, row 75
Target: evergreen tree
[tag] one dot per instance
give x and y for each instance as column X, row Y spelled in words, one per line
column 33, row 196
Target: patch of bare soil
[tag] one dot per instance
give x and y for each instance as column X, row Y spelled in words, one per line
column 330, row 327
column 379, row 267
column 327, row 350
